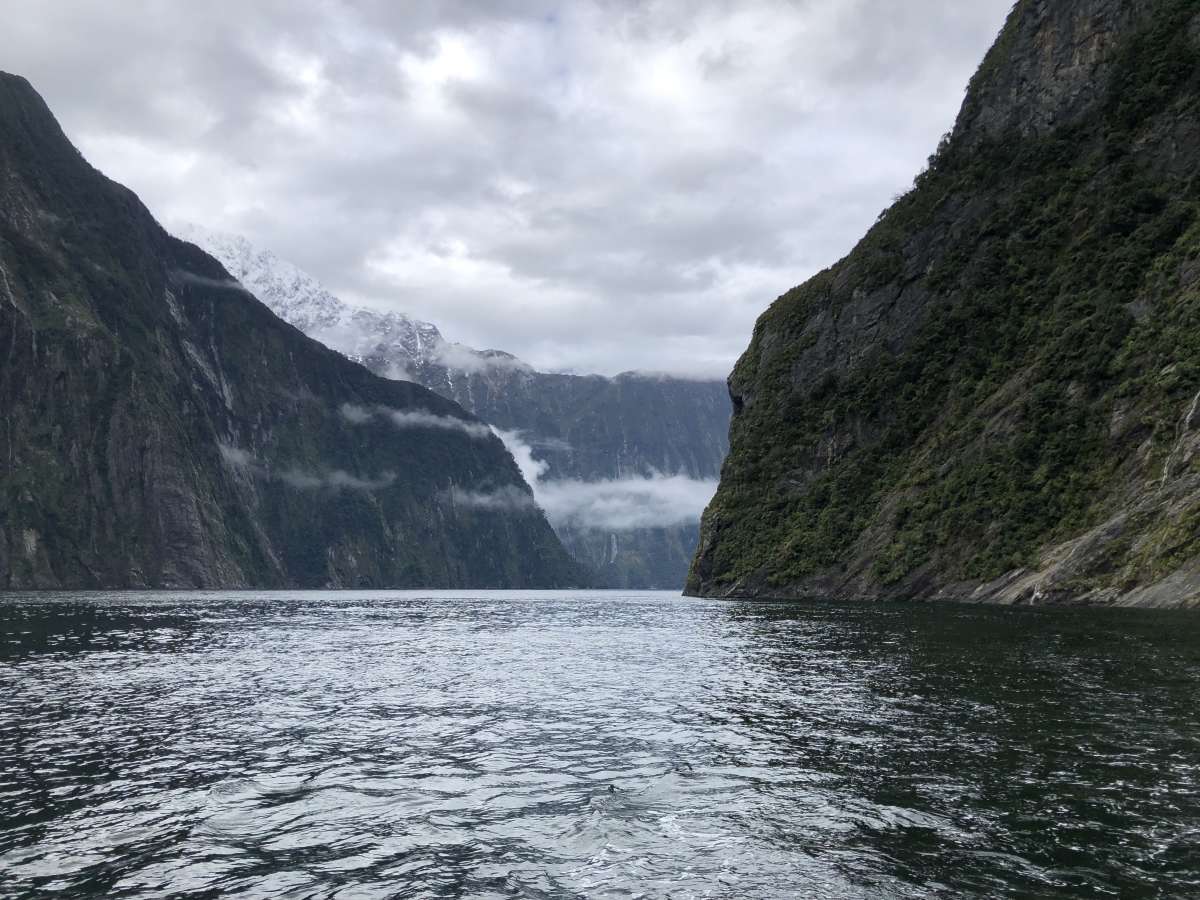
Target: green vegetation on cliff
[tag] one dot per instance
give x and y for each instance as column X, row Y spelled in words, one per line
column 1002, row 376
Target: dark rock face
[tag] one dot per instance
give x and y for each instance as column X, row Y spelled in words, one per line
column 993, row 397
column 1050, row 68
column 160, row 427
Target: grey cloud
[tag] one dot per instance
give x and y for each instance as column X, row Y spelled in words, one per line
column 505, row 108
column 356, row 415
column 236, row 456
column 626, row 504
column 597, row 185
column 506, row 499
column 558, row 445
column 228, row 284
column 427, row 420
column 614, row 505
column 403, row 419
column 620, row 504
column 456, row 356
column 336, row 479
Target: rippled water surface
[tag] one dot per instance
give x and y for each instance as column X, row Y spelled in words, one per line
column 592, row 745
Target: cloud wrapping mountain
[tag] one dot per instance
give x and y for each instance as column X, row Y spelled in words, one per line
column 300, row 478
column 620, row 504
column 623, row 465
column 403, row 419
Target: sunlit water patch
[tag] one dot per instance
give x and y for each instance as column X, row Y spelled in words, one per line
column 409, row 744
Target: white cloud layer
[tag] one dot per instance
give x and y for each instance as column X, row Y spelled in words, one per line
column 625, row 504
column 404, row 419
column 505, row 499
column 336, row 479
column 467, row 359
column 622, row 504
column 589, row 184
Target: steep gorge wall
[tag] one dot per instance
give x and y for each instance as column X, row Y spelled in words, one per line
column 162, row 428
column 994, row 396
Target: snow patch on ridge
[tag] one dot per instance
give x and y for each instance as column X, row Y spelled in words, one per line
column 354, row 331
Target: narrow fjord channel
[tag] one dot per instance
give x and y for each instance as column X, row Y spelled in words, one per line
column 487, row 744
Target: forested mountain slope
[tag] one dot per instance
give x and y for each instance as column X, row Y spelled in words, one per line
column 996, row 395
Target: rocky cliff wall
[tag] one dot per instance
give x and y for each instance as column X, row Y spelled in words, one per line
column 992, row 397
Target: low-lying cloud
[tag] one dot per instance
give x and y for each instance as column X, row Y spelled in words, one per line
column 510, row 498
column 467, row 359
column 621, row 504
column 227, row 284
column 659, row 501
column 236, row 456
column 336, row 479
column 358, row 415
column 532, row 469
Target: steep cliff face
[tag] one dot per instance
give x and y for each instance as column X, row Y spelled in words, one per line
column 994, row 396
column 160, row 427
column 608, row 443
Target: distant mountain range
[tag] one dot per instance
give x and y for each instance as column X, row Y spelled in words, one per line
column 622, row 466
column 160, row 427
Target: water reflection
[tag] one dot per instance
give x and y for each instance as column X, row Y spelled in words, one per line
column 1029, row 753
column 500, row 745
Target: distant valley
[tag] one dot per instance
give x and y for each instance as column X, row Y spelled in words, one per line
column 622, row 466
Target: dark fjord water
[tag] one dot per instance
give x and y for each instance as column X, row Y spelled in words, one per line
column 592, row 745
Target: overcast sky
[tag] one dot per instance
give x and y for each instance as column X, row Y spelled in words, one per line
column 596, row 185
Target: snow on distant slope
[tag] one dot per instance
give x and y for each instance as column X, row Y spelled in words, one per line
column 358, row 332
column 622, row 466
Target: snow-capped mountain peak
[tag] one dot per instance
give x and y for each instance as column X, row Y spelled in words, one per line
column 299, row 299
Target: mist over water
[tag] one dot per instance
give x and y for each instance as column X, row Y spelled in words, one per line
column 487, row 744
